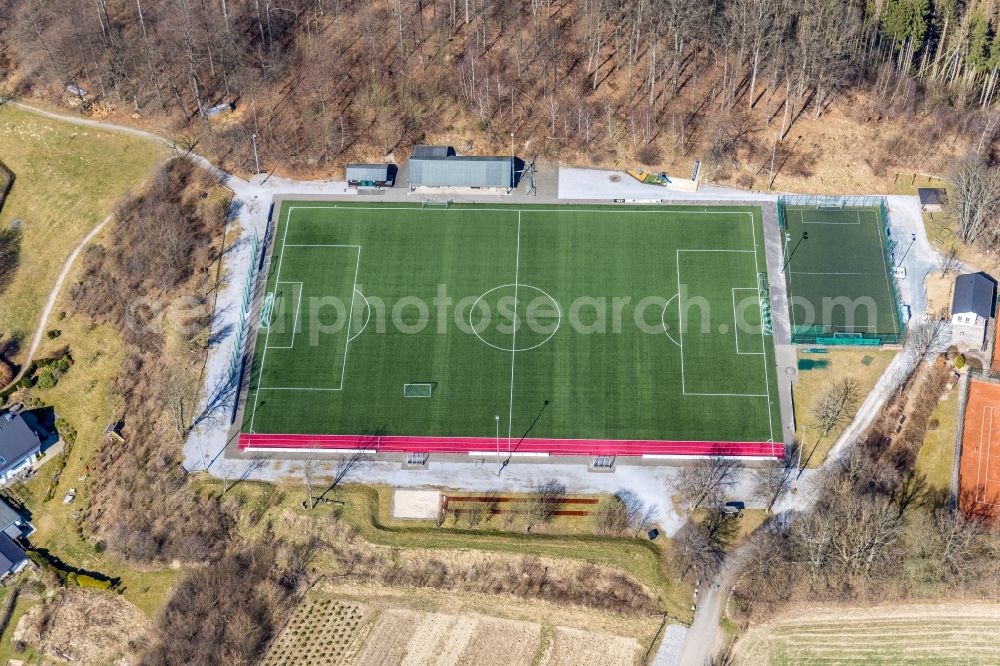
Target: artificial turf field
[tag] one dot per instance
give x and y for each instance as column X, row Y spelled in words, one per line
column 839, row 280
column 610, row 330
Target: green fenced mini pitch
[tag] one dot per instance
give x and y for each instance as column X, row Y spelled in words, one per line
column 839, row 275
column 514, row 324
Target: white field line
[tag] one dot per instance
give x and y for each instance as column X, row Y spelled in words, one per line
column 736, row 327
column 846, row 224
column 368, row 315
column 680, row 316
column 763, row 343
column 663, row 319
column 983, row 477
column 263, row 355
column 885, row 266
column 826, row 273
column 350, row 318
column 347, row 342
column 295, row 319
column 321, row 245
column 786, row 261
column 979, row 465
column 680, row 308
column 513, row 342
column 749, row 215
column 510, row 209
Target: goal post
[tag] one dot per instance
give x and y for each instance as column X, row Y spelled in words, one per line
column 266, row 312
column 435, row 203
column 418, row 390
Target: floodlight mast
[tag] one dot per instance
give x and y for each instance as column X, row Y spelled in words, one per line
column 805, row 236
column 256, row 161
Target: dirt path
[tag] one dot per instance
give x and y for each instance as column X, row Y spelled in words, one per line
column 50, row 302
column 239, row 186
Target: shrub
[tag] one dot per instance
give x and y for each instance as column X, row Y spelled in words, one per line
column 47, row 380
column 83, row 580
column 53, row 333
column 66, row 431
column 960, row 361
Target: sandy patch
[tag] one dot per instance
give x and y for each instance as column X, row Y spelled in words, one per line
column 939, row 292
column 416, row 504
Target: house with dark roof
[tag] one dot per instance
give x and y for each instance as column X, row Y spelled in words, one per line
column 971, row 309
column 439, row 166
column 370, row 175
column 13, row 527
column 20, row 445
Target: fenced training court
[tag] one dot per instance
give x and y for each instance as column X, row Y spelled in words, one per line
column 979, row 467
column 534, row 330
column 839, row 270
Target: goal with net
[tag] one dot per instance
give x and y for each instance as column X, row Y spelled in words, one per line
column 435, row 203
column 265, row 312
column 419, row 390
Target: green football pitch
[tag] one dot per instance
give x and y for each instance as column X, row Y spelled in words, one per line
column 563, row 322
column 839, row 278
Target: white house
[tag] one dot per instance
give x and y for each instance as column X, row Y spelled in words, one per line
column 971, row 308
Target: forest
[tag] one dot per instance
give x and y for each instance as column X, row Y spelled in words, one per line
column 320, row 82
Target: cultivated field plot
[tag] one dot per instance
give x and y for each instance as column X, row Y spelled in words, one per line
column 979, row 468
column 924, row 635
column 584, row 330
column 329, row 632
column 839, row 275
column 323, row 632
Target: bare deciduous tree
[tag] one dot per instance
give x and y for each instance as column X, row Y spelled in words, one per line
column 696, row 551
column 544, row 501
column 347, row 465
column 949, row 262
column 927, row 339
column 706, row 482
column 974, row 204
column 624, row 512
column 835, row 405
column 772, row 481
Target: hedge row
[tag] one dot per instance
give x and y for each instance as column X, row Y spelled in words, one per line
column 68, row 575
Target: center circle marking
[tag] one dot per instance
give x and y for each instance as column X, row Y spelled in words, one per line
column 519, row 285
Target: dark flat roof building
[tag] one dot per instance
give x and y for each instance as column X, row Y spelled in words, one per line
column 932, row 198
column 432, row 151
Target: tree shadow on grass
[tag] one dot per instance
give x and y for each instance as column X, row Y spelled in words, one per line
column 10, row 256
